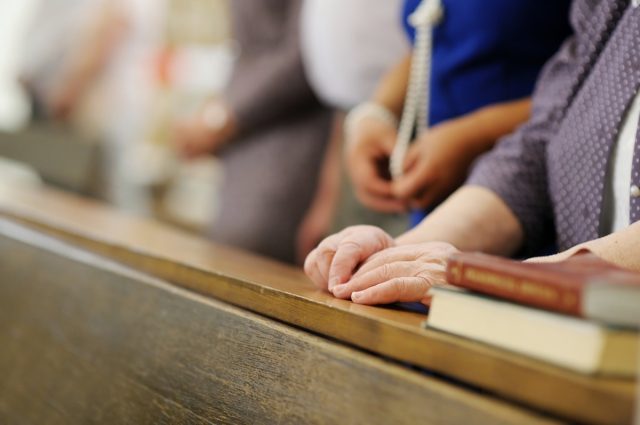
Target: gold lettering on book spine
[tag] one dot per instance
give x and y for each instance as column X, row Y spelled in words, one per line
column 456, row 272
column 490, row 279
column 526, row 288
column 535, row 290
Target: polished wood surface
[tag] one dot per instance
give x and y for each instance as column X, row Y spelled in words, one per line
column 284, row 293
column 85, row 340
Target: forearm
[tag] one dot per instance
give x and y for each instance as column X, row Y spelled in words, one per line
column 621, row 248
column 490, row 123
column 329, row 182
column 102, row 36
column 392, row 89
column 472, row 219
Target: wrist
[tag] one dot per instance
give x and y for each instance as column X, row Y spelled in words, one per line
column 370, row 110
column 478, row 127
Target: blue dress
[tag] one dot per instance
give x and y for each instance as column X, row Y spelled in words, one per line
column 489, row 51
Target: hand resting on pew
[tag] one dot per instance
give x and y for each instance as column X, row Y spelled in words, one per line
column 363, row 263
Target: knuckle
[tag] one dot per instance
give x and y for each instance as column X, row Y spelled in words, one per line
column 401, row 285
column 324, row 251
column 426, row 280
column 349, row 246
column 385, row 271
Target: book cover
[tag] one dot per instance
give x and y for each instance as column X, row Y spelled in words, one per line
column 582, row 286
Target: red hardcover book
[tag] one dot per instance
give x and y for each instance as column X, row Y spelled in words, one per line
column 582, row 286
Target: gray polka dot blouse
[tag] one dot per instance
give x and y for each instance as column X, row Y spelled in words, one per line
column 551, row 172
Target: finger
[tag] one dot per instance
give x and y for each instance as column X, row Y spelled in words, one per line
column 366, row 177
column 434, row 252
column 411, row 160
column 325, row 259
column 318, row 279
column 377, row 186
column 363, row 168
column 347, row 257
column 402, row 289
column 412, row 182
column 356, row 245
column 388, row 256
column 325, row 252
column 384, row 273
column 311, row 269
column 382, row 204
column 314, row 274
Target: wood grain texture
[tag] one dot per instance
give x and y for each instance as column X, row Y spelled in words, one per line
column 284, row 293
column 90, row 342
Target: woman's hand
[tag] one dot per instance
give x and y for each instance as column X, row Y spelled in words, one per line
column 399, row 274
column 438, row 163
column 337, row 257
column 206, row 132
column 367, row 160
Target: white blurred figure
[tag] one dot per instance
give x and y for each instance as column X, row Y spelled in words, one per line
column 118, row 70
column 130, row 86
column 35, row 37
column 347, row 46
column 99, row 57
column 154, row 54
column 15, row 18
column 52, row 39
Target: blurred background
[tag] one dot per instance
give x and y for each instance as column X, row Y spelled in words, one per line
column 223, row 118
column 90, row 91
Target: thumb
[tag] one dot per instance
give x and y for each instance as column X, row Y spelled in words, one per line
column 414, row 180
column 412, row 158
column 346, row 259
column 388, row 142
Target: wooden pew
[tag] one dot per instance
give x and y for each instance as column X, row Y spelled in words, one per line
column 499, row 386
column 88, row 341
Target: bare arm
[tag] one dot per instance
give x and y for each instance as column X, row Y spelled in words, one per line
column 102, row 36
column 440, row 159
column 504, row 207
column 371, row 140
column 472, row 219
column 392, row 88
column 495, row 121
column 619, row 248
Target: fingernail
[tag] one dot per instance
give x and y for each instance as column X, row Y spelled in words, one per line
column 337, row 288
column 355, row 296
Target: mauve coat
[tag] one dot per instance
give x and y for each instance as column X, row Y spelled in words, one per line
column 552, row 171
column 271, row 168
